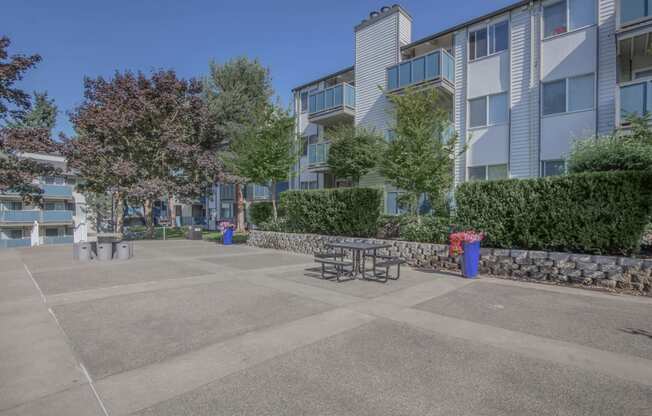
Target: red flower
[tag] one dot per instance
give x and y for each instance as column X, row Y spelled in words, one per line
column 458, row 239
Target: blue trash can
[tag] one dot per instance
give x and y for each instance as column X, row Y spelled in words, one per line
column 470, row 259
column 227, row 239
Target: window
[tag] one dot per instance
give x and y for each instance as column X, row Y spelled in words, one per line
column 488, row 110
column 304, row 146
column 15, row 234
column 478, row 112
column 70, row 206
column 308, row 185
column 261, row 192
column 631, row 10
column 14, row 205
column 572, row 94
column 491, row 172
column 567, row 15
column 477, row 173
column 390, row 135
column 304, row 101
column 643, row 73
column 478, row 44
column 52, row 232
column 553, row 167
column 489, row 40
column 226, row 210
column 393, row 205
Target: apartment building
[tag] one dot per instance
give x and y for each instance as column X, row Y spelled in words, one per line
column 59, row 219
column 522, row 84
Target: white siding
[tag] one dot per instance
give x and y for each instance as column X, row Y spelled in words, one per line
column 606, row 66
column 568, row 55
column 488, row 146
column 488, row 75
column 560, row 131
column 376, row 48
column 404, row 29
column 524, row 94
column 459, row 46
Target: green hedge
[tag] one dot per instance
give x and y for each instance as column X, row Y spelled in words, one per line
column 602, row 212
column 260, row 212
column 346, row 211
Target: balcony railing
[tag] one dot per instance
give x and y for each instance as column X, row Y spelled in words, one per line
column 68, row 239
column 635, row 99
column 437, row 65
column 340, row 95
column 29, row 216
column 52, row 191
column 318, row 153
column 16, row 242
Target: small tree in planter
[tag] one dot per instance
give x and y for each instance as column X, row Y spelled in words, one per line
column 467, row 243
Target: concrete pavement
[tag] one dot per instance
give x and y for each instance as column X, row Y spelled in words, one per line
column 202, row 329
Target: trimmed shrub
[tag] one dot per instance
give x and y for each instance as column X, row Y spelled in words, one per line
column 279, row 225
column 601, row 212
column 432, row 229
column 609, row 153
column 388, row 226
column 345, row 211
column 260, row 212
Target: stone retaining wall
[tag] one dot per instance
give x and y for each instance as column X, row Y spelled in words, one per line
column 606, row 271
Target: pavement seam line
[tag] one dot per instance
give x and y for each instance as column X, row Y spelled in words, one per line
column 29, row 273
column 81, row 365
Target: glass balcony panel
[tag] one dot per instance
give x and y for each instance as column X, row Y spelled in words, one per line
column 20, row 216
column 418, row 69
column 57, row 216
column 432, row 65
column 57, row 191
column 392, row 78
column 58, row 240
column 312, row 153
column 405, row 74
column 349, row 95
column 448, row 65
column 632, row 100
column 337, row 96
column 320, row 101
column 328, row 98
column 320, row 153
column 312, row 104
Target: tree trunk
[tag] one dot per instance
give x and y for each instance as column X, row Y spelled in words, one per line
column 119, row 213
column 149, row 218
column 273, row 192
column 171, row 212
column 239, row 208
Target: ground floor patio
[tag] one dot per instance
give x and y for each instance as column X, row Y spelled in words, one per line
column 196, row 328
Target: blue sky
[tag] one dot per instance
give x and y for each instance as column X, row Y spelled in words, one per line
column 297, row 40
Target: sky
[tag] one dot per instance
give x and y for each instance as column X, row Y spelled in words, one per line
column 297, row 40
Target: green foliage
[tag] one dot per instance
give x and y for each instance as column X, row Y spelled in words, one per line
column 601, row 212
column 427, row 229
column 260, row 212
column 278, row 225
column 388, row 226
column 42, row 114
column 420, row 158
column 345, row 211
column 609, row 153
column 354, row 151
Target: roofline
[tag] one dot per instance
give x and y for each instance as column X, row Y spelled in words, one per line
column 381, row 15
column 325, row 77
column 467, row 23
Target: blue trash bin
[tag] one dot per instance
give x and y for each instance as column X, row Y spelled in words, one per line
column 228, row 236
column 470, row 259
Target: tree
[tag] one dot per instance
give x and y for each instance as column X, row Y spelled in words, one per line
column 17, row 172
column 138, row 137
column 420, row 159
column 237, row 94
column 264, row 154
column 354, row 152
column 42, row 115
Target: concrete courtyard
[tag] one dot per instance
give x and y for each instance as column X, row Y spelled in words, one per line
column 195, row 328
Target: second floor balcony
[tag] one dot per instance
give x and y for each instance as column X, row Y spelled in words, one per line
column 332, row 105
column 634, row 99
column 435, row 68
column 14, row 217
column 51, row 192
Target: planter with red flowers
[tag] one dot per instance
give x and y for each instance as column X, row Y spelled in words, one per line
column 467, row 244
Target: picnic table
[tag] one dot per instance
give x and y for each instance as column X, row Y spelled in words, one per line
column 359, row 252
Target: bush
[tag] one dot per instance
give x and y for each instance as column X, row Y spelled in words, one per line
column 602, row 212
column 432, row 229
column 260, row 212
column 278, row 225
column 345, row 211
column 388, row 226
column 609, row 153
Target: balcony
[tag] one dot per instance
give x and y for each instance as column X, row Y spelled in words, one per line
column 635, row 98
column 68, row 239
column 16, row 242
column 52, row 192
column 332, row 105
column 436, row 68
column 13, row 217
column 318, row 155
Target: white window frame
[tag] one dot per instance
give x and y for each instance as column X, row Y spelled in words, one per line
column 486, row 171
column 491, row 39
column 543, row 162
column 568, row 17
column 487, row 110
column 593, row 107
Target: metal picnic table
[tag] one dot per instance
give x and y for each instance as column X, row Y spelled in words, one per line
column 358, row 254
